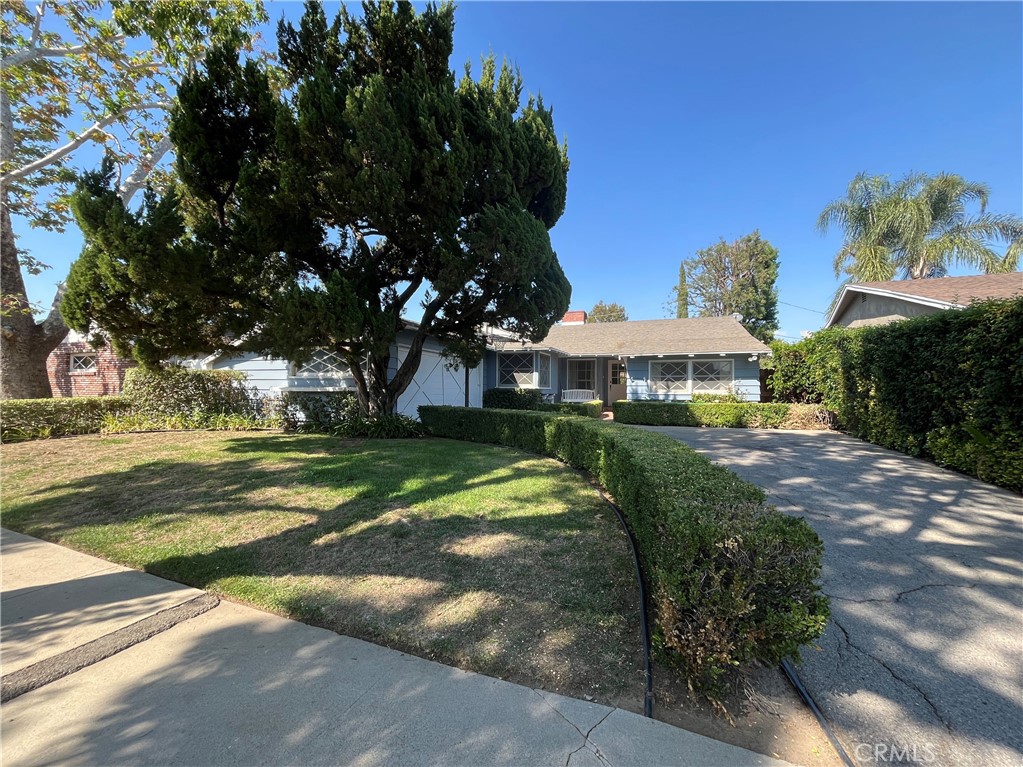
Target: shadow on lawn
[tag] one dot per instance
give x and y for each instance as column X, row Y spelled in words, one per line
column 363, row 539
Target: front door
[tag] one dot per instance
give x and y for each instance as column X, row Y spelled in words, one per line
column 617, row 378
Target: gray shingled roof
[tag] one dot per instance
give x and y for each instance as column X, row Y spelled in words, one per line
column 703, row 335
column 954, row 290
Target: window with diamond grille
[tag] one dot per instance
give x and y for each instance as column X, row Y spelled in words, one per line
column 543, row 371
column 712, row 375
column 515, row 369
column 669, row 377
column 81, row 363
column 323, row 364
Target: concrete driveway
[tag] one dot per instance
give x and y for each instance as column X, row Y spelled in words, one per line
column 923, row 658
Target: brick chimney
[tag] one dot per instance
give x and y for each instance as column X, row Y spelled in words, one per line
column 574, row 318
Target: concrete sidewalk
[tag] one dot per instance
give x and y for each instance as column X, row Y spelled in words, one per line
column 230, row 685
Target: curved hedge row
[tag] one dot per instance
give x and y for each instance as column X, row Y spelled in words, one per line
column 731, row 580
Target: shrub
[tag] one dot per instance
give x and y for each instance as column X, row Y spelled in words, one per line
column 133, row 421
column 513, row 399
column 389, row 426
column 945, row 386
column 319, row 411
column 175, row 390
column 22, row 419
column 752, row 415
column 591, row 409
column 731, row 580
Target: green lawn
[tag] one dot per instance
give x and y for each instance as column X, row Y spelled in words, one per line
column 485, row 557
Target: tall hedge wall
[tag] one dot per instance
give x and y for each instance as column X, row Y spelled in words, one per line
column 948, row 386
column 731, row 580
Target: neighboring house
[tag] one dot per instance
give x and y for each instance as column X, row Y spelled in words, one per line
column 878, row 303
column 436, row 382
column 645, row 359
column 77, row 369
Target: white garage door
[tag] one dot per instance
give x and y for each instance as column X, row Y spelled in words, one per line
column 438, row 384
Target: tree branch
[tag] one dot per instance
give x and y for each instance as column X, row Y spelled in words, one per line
column 137, row 178
column 61, row 152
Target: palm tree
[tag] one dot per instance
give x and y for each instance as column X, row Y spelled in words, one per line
column 918, row 228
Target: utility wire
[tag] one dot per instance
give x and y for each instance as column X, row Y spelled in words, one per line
column 804, row 308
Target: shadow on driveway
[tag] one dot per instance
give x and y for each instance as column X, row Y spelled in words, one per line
column 924, row 652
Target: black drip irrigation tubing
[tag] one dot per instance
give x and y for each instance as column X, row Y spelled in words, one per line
column 648, row 695
column 793, row 675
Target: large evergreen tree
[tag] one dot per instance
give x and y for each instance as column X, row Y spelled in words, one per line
column 736, row 277
column 316, row 217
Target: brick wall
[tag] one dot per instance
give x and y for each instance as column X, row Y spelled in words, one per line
column 105, row 376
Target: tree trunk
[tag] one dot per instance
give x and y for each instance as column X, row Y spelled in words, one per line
column 24, row 343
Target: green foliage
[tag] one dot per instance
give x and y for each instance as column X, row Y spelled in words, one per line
column 314, row 216
column 737, row 277
column 135, row 421
column 532, row 399
column 750, row 415
column 388, row 426
column 680, row 294
column 513, row 399
column 918, row 227
column 592, row 409
column 731, row 581
column 604, row 312
column 319, row 411
column 22, row 419
column 175, row 390
column 945, row 386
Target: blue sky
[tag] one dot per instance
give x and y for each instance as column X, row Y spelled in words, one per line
column 688, row 122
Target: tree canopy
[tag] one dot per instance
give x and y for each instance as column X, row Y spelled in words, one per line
column 604, row 312
column 316, row 216
column 736, row 277
column 919, row 227
column 75, row 73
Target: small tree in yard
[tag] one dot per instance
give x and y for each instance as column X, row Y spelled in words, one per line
column 604, row 312
column 317, row 202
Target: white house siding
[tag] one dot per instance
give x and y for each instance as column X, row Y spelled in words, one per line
column 746, row 376
column 433, row 384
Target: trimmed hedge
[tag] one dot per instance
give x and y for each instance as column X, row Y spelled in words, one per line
column 22, row 419
column 946, row 386
column 532, row 399
column 173, row 391
column 592, row 409
column 751, row 415
column 513, row 399
column 731, row 580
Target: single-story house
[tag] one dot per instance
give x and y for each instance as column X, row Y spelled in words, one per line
column 437, row 381
column 644, row 359
column 878, row 303
column 648, row 359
